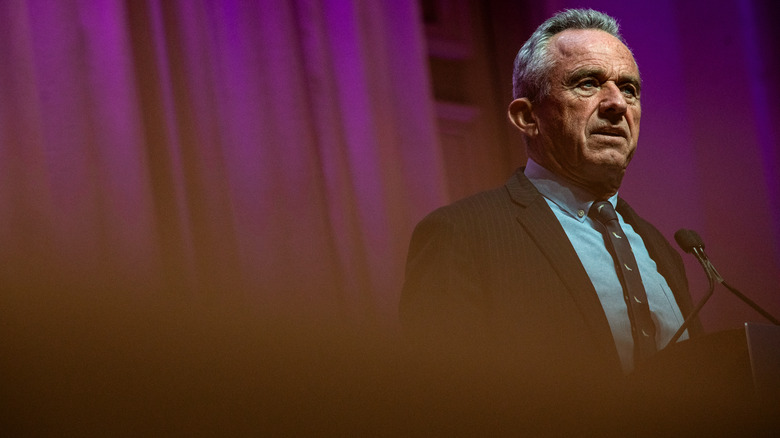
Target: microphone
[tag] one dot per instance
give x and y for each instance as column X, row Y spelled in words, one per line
column 691, row 243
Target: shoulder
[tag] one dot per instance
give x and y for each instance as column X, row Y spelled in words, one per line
column 462, row 219
column 495, row 204
column 479, row 216
column 475, row 205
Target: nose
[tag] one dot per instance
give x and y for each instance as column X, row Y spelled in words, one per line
column 613, row 102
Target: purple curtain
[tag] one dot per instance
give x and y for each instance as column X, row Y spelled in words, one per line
column 276, row 150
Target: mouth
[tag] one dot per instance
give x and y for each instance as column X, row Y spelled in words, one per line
column 611, row 132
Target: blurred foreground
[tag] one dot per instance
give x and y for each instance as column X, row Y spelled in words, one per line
column 101, row 363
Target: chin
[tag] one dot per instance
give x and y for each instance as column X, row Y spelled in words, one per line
column 607, row 175
column 612, row 160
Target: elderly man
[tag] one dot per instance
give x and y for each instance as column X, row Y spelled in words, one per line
column 554, row 264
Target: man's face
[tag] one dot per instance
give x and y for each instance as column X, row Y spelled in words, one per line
column 588, row 126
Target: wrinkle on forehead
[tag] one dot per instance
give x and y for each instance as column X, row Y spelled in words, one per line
column 591, row 45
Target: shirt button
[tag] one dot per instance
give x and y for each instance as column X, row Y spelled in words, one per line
column 580, row 213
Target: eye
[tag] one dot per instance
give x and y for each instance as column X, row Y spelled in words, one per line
column 629, row 90
column 588, row 84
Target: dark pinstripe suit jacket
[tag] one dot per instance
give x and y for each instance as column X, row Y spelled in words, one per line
column 499, row 264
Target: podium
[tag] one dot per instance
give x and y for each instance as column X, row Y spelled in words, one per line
column 727, row 381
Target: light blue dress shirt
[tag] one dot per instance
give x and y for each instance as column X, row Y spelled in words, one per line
column 570, row 205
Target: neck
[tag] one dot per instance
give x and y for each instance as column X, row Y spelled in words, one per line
column 602, row 186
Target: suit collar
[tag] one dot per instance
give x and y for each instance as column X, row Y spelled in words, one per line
column 521, row 190
column 569, row 197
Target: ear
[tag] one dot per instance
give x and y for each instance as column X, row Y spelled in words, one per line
column 521, row 114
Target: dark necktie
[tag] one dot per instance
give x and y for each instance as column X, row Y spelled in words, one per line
column 642, row 327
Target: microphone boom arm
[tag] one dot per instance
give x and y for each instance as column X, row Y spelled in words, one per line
column 750, row 303
column 690, row 242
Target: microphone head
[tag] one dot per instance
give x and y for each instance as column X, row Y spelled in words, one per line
column 688, row 240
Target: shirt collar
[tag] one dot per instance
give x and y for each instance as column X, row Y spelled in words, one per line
column 574, row 201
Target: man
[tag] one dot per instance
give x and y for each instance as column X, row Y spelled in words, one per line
column 526, row 264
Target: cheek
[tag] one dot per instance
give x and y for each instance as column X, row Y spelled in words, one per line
column 573, row 124
column 636, row 116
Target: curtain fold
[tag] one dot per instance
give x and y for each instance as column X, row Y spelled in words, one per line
column 276, row 150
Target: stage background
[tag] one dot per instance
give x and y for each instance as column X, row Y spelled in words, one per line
column 271, row 157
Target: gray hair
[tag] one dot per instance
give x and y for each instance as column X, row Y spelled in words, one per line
column 533, row 62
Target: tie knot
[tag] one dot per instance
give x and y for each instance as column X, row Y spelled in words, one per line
column 602, row 211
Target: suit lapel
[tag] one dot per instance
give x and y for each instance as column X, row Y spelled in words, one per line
column 542, row 225
column 676, row 281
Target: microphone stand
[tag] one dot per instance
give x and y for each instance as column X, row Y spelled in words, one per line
column 712, row 276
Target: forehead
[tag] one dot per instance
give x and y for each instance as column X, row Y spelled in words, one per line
column 582, row 48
